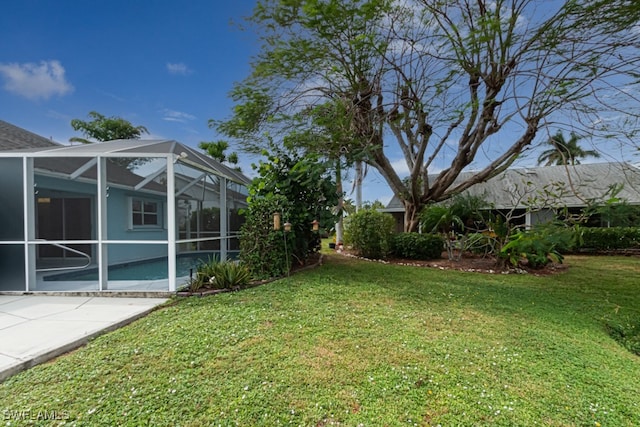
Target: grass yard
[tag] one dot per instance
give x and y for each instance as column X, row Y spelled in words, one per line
column 360, row 343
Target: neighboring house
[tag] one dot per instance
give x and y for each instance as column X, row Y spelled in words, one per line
column 533, row 195
column 14, row 138
column 118, row 215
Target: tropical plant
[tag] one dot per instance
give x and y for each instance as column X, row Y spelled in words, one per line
column 230, row 275
column 216, row 274
column 537, row 247
column 204, row 275
column 564, row 152
column 481, row 243
column 462, row 213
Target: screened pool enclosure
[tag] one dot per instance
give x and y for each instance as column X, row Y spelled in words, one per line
column 126, row 215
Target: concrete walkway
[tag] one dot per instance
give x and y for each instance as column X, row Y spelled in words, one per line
column 34, row 329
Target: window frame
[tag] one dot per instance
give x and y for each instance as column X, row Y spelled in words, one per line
column 158, row 213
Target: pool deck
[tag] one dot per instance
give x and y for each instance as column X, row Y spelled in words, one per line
column 38, row 328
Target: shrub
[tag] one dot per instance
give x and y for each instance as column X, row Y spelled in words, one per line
column 462, row 213
column 301, row 190
column 565, row 238
column 369, row 232
column 610, row 238
column 263, row 250
column 417, row 246
column 230, row 275
column 538, row 248
column 215, row 274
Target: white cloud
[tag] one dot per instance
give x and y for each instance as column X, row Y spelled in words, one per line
column 400, row 166
column 178, row 69
column 34, row 81
column 177, row 116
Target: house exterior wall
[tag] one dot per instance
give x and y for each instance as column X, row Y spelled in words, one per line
column 542, row 216
column 118, row 212
column 118, row 220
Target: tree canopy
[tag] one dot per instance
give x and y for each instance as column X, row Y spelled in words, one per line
column 218, row 150
column 101, row 128
column 444, row 85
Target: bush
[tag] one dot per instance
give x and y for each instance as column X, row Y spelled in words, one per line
column 302, row 191
column 462, row 213
column 610, row 238
column 230, row 275
column 215, row 274
column 417, row 246
column 537, row 247
column 263, row 250
column 564, row 238
column 369, row 232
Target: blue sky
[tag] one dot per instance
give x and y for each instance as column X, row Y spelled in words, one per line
column 165, row 65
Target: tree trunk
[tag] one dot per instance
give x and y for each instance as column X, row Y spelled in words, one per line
column 411, row 220
column 340, row 208
column 358, row 185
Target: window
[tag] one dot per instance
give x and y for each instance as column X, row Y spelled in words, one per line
column 145, row 213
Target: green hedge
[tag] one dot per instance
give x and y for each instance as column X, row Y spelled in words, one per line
column 610, row 238
column 417, row 246
column 369, row 232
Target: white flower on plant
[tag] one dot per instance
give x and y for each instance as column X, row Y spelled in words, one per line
column 212, row 279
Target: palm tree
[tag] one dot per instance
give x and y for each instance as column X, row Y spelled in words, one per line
column 564, row 152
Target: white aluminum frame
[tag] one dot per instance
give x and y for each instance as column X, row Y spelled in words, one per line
column 99, row 159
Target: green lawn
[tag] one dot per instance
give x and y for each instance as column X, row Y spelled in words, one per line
column 361, row 343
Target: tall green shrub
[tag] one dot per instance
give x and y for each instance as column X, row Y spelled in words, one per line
column 370, row 232
column 265, row 251
column 310, row 193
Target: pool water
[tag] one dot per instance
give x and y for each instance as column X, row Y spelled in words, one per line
column 152, row 269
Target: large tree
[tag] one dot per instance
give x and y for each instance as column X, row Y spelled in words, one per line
column 564, row 152
column 449, row 84
column 101, row 128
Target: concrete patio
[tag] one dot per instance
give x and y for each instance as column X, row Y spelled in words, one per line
column 37, row 328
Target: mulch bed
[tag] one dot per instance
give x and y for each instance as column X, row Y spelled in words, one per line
column 468, row 262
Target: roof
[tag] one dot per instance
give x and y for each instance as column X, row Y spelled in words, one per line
column 139, row 148
column 117, row 174
column 14, row 138
column 572, row 186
